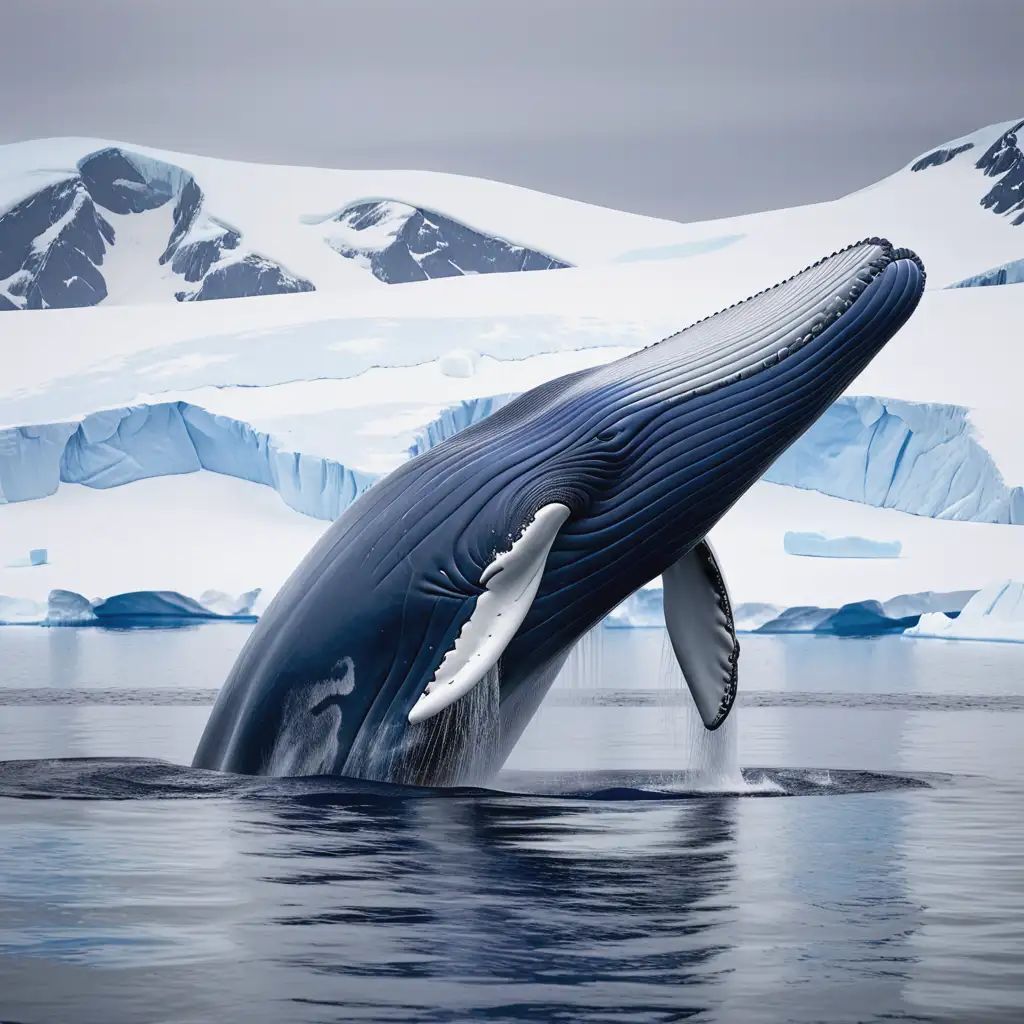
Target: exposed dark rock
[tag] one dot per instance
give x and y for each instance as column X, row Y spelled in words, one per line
column 50, row 247
column 53, row 242
column 941, row 156
column 428, row 245
column 1004, row 160
column 186, row 209
column 194, row 259
column 252, row 275
column 116, row 183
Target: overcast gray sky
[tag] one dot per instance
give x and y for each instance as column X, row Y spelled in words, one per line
column 679, row 108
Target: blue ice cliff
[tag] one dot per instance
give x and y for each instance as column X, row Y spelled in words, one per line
column 920, row 458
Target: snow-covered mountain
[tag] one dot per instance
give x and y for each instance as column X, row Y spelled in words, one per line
column 126, row 225
column 88, row 221
column 235, row 431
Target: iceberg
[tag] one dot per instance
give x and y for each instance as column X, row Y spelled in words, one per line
column 36, row 556
column 817, row 545
column 159, row 608
column 20, row 611
column 868, row 618
column 995, row 612
column 751, row 615
column 162, row 608
column 644, row 610
column 66, row 608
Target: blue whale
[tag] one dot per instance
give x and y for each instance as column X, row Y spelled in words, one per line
column 419, row 636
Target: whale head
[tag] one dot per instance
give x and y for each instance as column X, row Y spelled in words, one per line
column 465, row 577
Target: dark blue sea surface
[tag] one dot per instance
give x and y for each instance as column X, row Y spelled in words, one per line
column 849, row 847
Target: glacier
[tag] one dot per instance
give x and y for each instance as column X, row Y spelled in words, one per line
column 119, row 446
column 917, row 457
column 1007, row 273
column 921, row 458
column 818, row 545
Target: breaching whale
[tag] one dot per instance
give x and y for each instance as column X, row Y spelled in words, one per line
column 419, row 635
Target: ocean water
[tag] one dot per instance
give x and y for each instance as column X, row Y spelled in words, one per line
column 849, row 847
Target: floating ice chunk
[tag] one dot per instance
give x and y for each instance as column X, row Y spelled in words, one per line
column 219, row 603
column 19, row 611
column 37, row 556
column 949, row 603
column 460, row 362
column 142, row 608
column 995, row 612
column 66, row 608
column 818, row 545
column 752, row 615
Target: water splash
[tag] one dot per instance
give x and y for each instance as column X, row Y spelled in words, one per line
column 585, row 662
column 459, row 746
column 713, row 756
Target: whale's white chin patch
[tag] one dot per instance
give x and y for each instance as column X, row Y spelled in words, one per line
column 511, row 582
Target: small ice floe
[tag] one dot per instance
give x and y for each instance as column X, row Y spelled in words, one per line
column 819, row 545
column 459, row 362
column 36, row 556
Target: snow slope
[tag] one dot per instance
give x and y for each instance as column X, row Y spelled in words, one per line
column 315, row 394
column 247, row 229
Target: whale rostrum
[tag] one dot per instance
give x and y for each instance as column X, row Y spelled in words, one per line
column 420, row 634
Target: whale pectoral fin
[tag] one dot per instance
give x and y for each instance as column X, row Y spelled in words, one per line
column 700, row 625
column 510, row 584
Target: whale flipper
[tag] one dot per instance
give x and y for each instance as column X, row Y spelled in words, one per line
column 510, row 583
column 700, row 625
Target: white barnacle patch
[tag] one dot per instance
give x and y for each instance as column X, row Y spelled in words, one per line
column 511, row 583
column 307, row 742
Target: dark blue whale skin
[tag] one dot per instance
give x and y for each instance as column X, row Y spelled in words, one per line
column 647, row 452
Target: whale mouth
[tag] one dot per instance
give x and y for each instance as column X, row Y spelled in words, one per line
column 759, row 332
